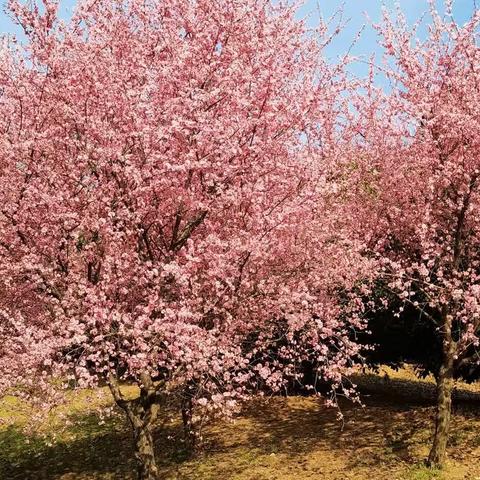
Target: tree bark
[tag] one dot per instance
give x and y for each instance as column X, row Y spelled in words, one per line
column 438, row 452
column 141, row 413
column 145, row 454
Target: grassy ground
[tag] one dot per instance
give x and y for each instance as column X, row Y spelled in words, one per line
column 279, row 439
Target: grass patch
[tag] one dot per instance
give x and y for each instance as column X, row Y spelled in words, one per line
column 422, row 472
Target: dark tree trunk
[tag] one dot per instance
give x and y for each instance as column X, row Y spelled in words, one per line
column 187, row 417
column 142, row 413
column 445, row 381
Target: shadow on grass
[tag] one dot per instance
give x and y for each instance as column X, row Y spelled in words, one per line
column 89, row 449
column 390, row 431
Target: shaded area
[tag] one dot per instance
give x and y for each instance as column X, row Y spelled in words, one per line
column 99, row 450
column 90, row 449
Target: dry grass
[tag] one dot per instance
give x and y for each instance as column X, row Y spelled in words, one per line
column 294, row 438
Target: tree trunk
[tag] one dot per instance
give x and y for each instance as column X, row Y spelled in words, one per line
column 188, row 427
column 142, row 413
column 438, row 452
column 145, row 454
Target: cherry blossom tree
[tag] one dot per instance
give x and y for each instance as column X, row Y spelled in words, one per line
column 165, row 219
column 416, row 174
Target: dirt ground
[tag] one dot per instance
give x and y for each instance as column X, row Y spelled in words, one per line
column 295, row 438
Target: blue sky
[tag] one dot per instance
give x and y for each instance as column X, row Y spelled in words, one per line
column 354, row 12
column 357, row 13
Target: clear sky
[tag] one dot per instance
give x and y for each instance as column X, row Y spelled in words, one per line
column 355, row 12
column 364, row 12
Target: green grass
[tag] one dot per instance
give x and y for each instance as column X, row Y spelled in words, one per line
column 422, row 472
